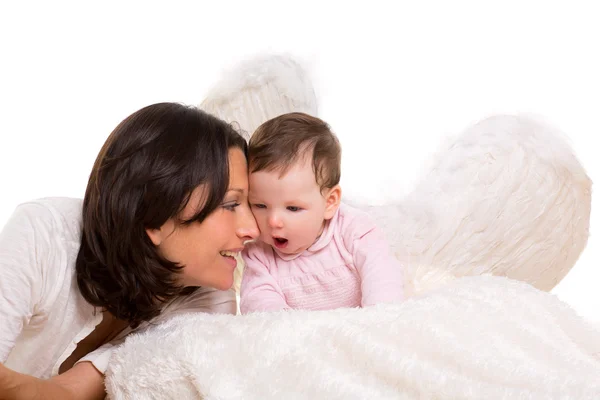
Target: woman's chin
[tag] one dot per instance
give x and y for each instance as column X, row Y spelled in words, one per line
column 224, row 284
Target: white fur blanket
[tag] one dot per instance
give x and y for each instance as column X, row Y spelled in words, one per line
column 478, row 338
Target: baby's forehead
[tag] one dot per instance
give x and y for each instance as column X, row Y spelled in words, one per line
column 296, row 181
column 283, row 164
column 302, row 169
column 296, row 174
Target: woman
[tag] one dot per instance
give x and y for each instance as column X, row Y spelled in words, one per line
column 164, row 214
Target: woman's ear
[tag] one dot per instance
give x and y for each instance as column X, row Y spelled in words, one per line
column 159, row 235
column 332, row 201
column 154, row 235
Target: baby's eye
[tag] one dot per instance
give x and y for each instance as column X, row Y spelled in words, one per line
column 293, row 208
column 259, row 205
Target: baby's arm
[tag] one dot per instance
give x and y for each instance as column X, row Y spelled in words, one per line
column 259, row 290
column 382, row 275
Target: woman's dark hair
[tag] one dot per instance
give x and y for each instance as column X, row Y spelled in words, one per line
column 143, row 176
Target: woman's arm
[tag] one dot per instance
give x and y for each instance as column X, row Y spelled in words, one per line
column 22, row 254
column 83, row 381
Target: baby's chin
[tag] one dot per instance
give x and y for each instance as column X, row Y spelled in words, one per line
column 290, row 252
column 287, row 250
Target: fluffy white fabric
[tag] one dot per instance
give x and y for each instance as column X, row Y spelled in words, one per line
column 507, row 197
column 478, row 338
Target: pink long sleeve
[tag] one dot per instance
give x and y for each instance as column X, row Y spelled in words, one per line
column 259, row 290
column 382, row 276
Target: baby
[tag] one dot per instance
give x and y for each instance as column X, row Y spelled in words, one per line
column 314, row 252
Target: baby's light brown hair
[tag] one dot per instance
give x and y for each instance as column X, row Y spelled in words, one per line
column 279, row 143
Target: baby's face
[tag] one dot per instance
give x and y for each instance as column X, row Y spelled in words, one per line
column 290, row 210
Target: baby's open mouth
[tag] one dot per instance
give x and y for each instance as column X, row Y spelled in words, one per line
column 280, row 242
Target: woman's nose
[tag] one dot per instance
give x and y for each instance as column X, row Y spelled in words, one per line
column 247, row 229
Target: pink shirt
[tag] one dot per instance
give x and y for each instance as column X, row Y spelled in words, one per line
column 350, row 265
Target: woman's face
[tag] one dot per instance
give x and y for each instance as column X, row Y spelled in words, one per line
column 207, row 249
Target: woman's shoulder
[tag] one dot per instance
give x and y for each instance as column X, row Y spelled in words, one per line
column 57, row 215
column 59, row 206
column 38, row 247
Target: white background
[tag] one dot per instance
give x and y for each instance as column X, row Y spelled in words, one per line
column 393, row 80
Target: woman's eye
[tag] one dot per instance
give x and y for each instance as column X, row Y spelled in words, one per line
column 231, row 206
column 293, row 209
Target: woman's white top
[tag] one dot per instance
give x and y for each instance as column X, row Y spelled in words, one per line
column 42, row 313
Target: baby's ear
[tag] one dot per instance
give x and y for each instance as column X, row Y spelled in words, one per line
column 333, row 197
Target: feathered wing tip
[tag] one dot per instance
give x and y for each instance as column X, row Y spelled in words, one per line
column 507, row 197
column 261, row 88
